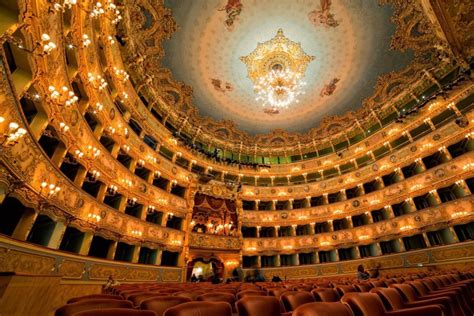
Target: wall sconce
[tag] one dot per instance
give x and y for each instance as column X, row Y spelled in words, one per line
column 13, row 135
column 405, row 228
column 62, row 97
column 170, row 215
column 112, row 190
column 136, row 233
column 97, row 81
column 94, row 217
column 131, row 202
column 459, row 214
column 49, row 188
column 150, row 210
column 92, row 176
column 157, row 174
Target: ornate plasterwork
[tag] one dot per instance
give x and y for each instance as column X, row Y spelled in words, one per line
column 413, row 33
column 278, row 51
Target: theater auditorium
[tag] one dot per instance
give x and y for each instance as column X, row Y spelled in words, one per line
column 236, row 158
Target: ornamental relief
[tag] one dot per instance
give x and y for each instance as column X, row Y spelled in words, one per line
column 374, row 200
column 153, row 23
column 411, row 223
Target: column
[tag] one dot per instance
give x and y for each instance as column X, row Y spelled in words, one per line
column 325, row 199
column 377, row 249
column 277, row 261
column 290, row 204
column 159, row 254
column 350, row 224
column 123, row 204
column 86, row 243
column 80, row 176
column 293, row 230
column 112, row 249
column 389, row 211
column 400, row 246
column 370, row 220
column 427, row 241
column 58, row 155
column 258, row 231
column 273, row 205
column 331, row 227
column 311, row 228
column 57, row 235
column 462, row 185
column 296, row 259
column 259, row 261
column 136, row 254
column 315, row 258
column 411, row 205
column 455, row 238
column 343, row 195
column 357, row 252
column 25, row 225
column 420, row 165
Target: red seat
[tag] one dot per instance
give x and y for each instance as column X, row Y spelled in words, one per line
column 85, row 305
column 137, row 299
column 191, row 295
column 370, row 304
column 160, row 304
column 258, row 306
column 115, row 312
column 363, row 287
column 200, row 309
column 277, row 292
column 323, row 309
column 291, row 300
column 250, row 293
column 218, row 297
column 343, row 289
column 95, row 296
column 326, row 295
column 393, row 300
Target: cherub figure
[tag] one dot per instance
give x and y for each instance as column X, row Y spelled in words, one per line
column 323, row 16
column 329, row 88
column 233, row 8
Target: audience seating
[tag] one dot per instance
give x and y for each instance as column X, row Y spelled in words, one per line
column 115, row 312
column 393, row 300
column 291, row 300
column 160, row 304
column 326, row 295
column 70, row 309
column 95, row 296
column 450, row 294
column 200, row 309
column 323, row 309
column 250, row 293
column 259, row 306
column 370, row 304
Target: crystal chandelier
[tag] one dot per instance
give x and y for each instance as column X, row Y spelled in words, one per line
column 276, row 68
column 279, row 88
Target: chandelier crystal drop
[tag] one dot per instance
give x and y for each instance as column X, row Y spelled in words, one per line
column 279, row 88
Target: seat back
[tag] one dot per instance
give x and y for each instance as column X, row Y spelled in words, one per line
column 199, row 309
column 115, row 312
column 291, row 300
column 323, row 309
column 419, row 287
column 160, row 304
column 390, row 297
column 218, row 297
column 343, row 289
column 378, row 283
column 277, row 292
column 406, row 291
column 363, row 287
column 191, row 295
column 258, row 306
column 250, row 293
column 84, row 305
column 94, row 297
column 364, row 304
column 326, row 295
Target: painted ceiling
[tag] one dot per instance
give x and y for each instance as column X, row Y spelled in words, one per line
column 350, row 40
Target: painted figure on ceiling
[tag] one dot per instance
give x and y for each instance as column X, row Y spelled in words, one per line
column 222, row 86
column 271, row 111
column 323, row 16
column 233, row 8
column 329, row 88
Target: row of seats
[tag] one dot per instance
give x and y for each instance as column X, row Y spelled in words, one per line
column 444, row 294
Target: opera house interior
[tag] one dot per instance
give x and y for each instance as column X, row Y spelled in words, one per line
column 236, row 157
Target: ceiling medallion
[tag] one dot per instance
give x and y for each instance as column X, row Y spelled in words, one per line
column 276, row 68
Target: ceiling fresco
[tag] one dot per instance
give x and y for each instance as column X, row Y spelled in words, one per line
column 350, row 40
